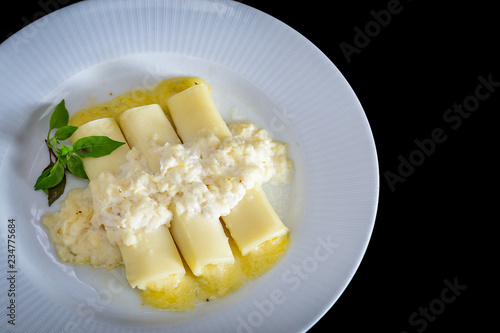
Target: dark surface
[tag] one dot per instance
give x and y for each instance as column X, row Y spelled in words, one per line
column 435, row 223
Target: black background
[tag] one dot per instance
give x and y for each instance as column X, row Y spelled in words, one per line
column 439, row 223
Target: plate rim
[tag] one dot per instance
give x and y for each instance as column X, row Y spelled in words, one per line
column 373, row 150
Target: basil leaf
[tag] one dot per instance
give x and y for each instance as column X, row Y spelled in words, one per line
column 65, row 150
column 45, row 173
column 65, row 132
column 51, row 177
column 52, row 144
column 55, row 192
column 75, row 166
column 59, row 117
column 95, row 146
column 64, row 161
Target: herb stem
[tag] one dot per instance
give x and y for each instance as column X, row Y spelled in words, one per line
column 51, row 152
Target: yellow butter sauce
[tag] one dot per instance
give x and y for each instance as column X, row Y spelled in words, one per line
column 134, row 98
column 217, row 281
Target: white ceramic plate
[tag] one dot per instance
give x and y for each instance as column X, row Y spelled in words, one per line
column 260, row 70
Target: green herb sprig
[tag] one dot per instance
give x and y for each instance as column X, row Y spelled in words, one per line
column 68, row 158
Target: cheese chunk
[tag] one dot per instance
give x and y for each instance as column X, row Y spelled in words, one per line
column 201, row 240
column 109, row 163
column 253, row 220
column 155, row 255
